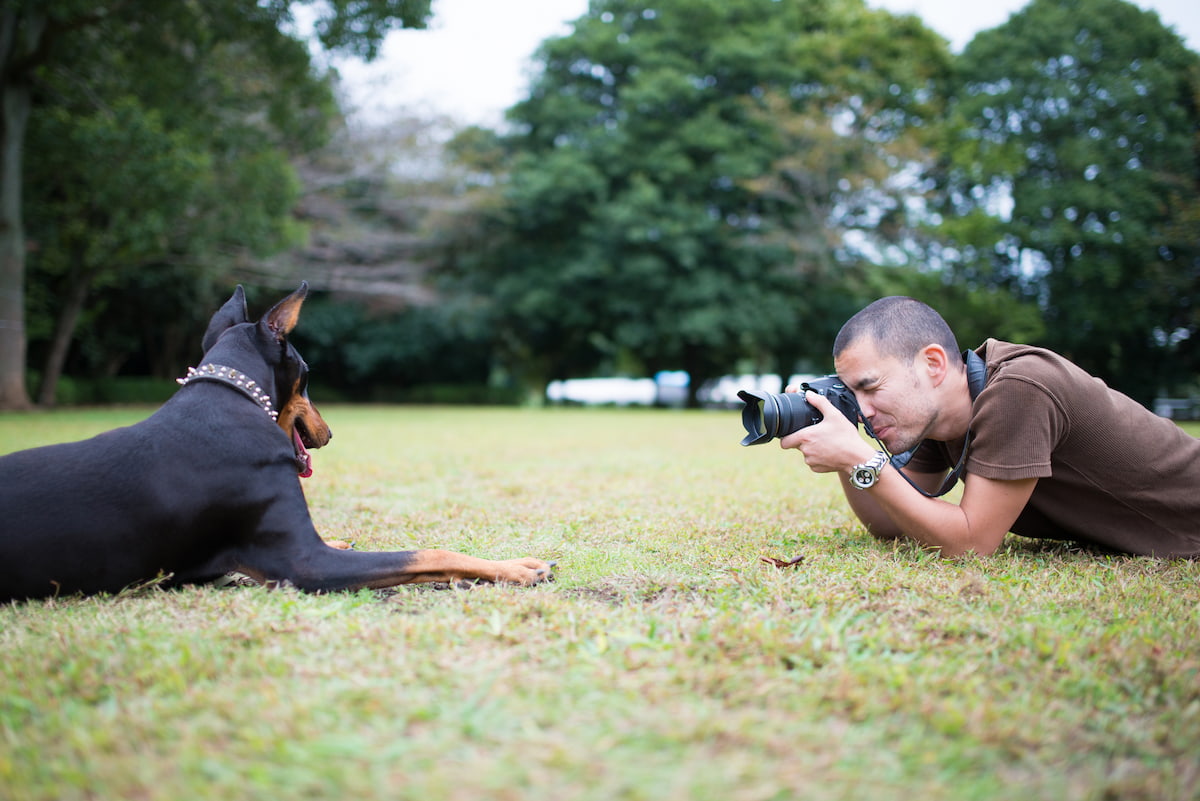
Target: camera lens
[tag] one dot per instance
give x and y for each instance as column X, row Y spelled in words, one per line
column 773, row 415
column 768, row 416
column 793, row 412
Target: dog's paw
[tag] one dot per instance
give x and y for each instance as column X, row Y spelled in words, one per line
column 526, row 571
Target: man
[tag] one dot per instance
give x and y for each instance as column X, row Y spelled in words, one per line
column 1050, row 451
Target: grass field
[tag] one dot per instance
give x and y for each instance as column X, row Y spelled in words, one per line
column 668, row 661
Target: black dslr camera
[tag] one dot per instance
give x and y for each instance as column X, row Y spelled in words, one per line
column 773, row 415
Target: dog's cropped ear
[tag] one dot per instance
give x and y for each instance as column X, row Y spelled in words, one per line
column 283, row 318
column 231, row 314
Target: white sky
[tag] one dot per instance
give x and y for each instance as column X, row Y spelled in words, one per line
column 471, row 64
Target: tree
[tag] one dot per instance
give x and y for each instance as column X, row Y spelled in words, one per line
column 163, row 55
column 374, row 200
column 636, row 234
column 1072, row 183
column 111, row 210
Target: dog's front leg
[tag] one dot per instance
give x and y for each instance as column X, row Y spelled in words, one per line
column 438, row 565
column 317, row 567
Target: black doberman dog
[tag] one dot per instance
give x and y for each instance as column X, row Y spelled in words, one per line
column 207, row 485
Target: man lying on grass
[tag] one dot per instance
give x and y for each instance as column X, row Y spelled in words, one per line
column 1045, row 450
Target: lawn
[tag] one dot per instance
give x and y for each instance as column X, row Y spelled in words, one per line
column 668, row 661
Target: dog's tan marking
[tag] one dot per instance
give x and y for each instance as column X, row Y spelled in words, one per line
column 438, row 565
column 300, row 414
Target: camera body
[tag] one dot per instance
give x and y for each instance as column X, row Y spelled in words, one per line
column 770, row 415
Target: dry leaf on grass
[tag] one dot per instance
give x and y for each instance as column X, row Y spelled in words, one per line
column 782, row 563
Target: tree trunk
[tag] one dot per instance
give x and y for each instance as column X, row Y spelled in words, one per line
column 64, row 332
column 19, row 35
column 14, row 112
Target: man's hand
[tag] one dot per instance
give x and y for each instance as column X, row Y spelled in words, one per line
column 832, row 445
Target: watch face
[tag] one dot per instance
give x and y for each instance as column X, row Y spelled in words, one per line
column 863, row 478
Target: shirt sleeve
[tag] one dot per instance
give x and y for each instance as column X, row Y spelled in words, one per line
column 1015, row 426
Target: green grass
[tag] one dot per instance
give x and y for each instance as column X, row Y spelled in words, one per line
column 666, row 662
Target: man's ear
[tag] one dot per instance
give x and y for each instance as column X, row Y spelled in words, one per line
column 934, row 360
column 283, row 318
column 231, row 314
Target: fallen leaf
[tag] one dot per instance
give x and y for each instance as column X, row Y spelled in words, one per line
column 782, row 563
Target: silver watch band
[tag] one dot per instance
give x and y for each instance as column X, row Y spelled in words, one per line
column 865, row 475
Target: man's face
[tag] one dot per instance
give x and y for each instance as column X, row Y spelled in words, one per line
column 895, row 397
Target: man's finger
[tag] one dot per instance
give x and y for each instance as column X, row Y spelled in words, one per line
column 820, row 401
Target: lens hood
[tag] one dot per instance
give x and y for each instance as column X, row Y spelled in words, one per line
column 760, row 415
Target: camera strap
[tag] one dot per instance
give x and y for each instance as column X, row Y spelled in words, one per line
column 976, row 372
column 976, row 378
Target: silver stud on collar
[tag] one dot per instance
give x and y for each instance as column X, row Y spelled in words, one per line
column 233, row 378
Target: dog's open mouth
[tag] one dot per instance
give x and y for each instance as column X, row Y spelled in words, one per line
column 303, row 457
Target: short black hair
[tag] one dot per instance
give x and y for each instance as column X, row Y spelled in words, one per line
column 899, row 327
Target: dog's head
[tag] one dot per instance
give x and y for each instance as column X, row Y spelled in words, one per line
column 287, row 383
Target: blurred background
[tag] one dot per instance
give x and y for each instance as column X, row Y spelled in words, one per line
column 598, row 202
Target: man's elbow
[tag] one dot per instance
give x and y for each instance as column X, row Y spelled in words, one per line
column 951, row 549
column 983, row 548
column 885, row 532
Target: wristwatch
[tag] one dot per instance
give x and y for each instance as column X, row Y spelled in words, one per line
column 866, row 474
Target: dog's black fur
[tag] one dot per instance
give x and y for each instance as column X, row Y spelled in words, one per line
column 206, row 486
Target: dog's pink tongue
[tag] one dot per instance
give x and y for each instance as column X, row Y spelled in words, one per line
column 303, row 459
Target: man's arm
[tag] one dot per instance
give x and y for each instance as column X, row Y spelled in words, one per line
column 877, row 521
column 978, row 523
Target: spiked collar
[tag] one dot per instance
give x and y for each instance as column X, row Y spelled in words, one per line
column 232, row 378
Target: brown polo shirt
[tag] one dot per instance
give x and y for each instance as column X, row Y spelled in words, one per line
column 1110, row 472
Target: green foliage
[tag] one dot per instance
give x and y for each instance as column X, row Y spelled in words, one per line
column 124, row 391
column 667, row 661
column 359, row 26
column 160, row 142
column 1081, row 116
column 110, row 187
column 366, row 355
column 637, row 222
column 240, row 99
column 974, row 314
